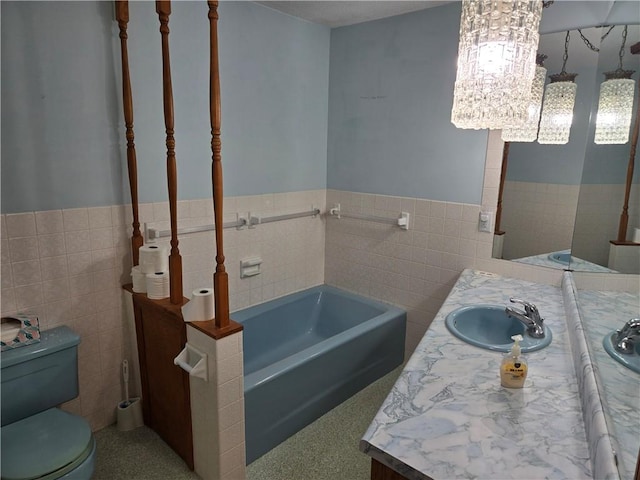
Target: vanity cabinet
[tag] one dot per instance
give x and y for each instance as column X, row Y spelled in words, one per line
column 382, row 472
column 447, row 415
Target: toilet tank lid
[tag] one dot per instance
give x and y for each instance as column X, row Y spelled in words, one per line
column 51, row 341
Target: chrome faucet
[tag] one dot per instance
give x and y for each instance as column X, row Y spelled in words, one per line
column 530, row 317
column 625, row 338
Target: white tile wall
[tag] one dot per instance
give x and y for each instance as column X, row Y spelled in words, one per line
column 598, row 217
column 217, row 408
column 413, row 268
column 537, row 218
column 292, row 251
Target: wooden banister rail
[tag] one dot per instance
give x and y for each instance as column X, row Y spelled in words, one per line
column 220, row 277
column 122, row 16
column 624, row 216
column 163, row 9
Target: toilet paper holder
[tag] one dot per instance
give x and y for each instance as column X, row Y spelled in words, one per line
column 192, row 361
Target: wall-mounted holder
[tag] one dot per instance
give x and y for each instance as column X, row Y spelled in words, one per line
column 402, row 221
column 250, row 267
column 192, row 361
column 241, row 221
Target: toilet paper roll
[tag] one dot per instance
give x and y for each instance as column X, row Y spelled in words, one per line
column 200, row 307
column 9, row 329
column 153, row 258
column 139, row 280
column 158, row 285
column 636, row 235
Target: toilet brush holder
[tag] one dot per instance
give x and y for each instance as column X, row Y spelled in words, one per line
column 130, row 415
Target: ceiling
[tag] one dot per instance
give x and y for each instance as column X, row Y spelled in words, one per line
column 339, row 13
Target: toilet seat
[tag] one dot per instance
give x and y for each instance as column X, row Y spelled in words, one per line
column 47, row 445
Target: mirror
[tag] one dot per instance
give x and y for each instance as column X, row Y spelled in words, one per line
column 545, row 193
column 604, row 177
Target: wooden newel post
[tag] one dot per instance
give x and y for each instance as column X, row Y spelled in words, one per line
column 163, row 9
column 122, row 16
column 220, row 277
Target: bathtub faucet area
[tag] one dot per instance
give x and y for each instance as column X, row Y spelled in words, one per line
column 530, row 317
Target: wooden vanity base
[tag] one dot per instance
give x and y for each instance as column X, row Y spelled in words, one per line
column 379, row 471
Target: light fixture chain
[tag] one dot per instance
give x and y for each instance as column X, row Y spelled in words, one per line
column 607, row 33
column 588, row 43
column 565, row 57
column 624, row 40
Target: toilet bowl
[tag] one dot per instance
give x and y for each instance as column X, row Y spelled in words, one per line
column 40, row 441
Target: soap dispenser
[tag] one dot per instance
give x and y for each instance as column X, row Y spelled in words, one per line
column 513, row 370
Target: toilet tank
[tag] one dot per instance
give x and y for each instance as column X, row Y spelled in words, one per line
column 39, row 376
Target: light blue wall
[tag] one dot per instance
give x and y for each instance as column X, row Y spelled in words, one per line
column 581, row 160
column 62, row 124
column 607, row 164
column 60, row 138
column 390, row 97
column 561, row 164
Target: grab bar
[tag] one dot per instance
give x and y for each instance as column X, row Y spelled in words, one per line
column 257, row 220
column 402, row 221
column 153, row 233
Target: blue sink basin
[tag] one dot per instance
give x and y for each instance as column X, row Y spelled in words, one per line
column 629, row 360
column 561, row 257
column 488, row 326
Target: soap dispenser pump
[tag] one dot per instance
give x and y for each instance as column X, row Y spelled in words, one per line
column 513, row 370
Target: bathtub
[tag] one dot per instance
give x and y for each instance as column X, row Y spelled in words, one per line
column 308, row 352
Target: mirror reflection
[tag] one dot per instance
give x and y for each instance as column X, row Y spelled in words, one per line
column 547, row 190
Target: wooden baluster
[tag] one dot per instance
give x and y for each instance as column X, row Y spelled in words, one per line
column 163, row 9
column 503, row 177
column 122, row 16
column 220, row 277
column 624, row 216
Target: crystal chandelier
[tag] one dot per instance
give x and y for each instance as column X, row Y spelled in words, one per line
column 615, row 104
column 557, row 106
column 528, row 131
column 496, row 62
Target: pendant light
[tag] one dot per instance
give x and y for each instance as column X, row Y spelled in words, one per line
column 528, row 131
column 558, row 103
column 615, row 104
column 496, row 62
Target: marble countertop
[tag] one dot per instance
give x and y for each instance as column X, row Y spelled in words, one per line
column 577, row 264
column 602, row 313
column 448, row 417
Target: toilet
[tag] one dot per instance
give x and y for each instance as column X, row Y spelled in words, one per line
column 39, row 440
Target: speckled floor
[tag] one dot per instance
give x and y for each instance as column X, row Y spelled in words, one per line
column 325, row 450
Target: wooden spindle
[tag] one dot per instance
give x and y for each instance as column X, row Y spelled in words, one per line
column 503, row 178
column 163, row 9
column 220, row 277
column 122, row 16
column 624, row 216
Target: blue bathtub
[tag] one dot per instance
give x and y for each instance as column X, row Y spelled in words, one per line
column 308, row 352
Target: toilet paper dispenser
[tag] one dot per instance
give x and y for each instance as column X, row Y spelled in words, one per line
column 192, row 361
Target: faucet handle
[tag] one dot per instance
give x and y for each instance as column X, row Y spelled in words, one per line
column 529, row 308
column 631, row 325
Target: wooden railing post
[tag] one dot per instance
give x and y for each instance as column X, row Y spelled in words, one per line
column 163, row 9
column 220, row 277
column 122, row 16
